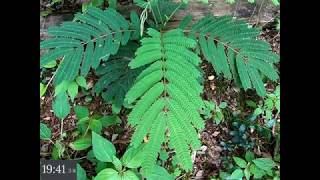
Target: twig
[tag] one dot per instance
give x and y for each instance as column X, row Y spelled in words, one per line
column 259, row 11
column 181, row 176
column 61, row 129
column 84, row 157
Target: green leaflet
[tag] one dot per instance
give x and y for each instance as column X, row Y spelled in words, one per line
column 53, row 55
column 153, row 146
column 257, row 81
column 167, row 95
column 148, row 119
column 181, row 147
column 191, row 135
column 143, row 85
column 185, row 21
column 135, row 24
column 146, row 101
column 243, row 73
column 68, row 68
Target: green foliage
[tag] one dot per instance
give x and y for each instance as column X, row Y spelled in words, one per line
column 257, row 168
column 58, row 150
column 81, row 173
column 72, row 90
column 81, row 112
column 240, row 162
column 213, row 110
column 104, row 151
column 81, row 143
column 276, row 2
column 93, row 123
column 102, row 148
column 161, row 11
column 61, row 106
column 110, row 120
column 133, row 157
column 111, row 174
column 98, row 4
column 236, row 174
column 62, row 87
column 185, row 22
column 159, row 172
column 43, row 89
column 92, row 3
column 81, row 81
column 264, row 163
column 234, row 51
column 91, row 37
column 51, row 64
column 45, row 132
column 163, row 155
column 249, row 156
column 116, row 77
column 271, row 103
column 278, row 24
column 117, row 163
column 164, row 97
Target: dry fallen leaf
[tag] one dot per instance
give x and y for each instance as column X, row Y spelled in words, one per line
column 114, row 137
column 216, row 133
column 193, row 156
column 47, row 118
column 199, row 174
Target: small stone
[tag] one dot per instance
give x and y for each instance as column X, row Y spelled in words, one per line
column 210, row 78
column 251, row 130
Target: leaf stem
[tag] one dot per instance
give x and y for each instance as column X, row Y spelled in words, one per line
column 172, row 14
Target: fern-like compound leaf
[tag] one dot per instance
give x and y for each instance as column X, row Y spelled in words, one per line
column 116, row 78
column 82, row 44
column 218, row 36
column 166, row 96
